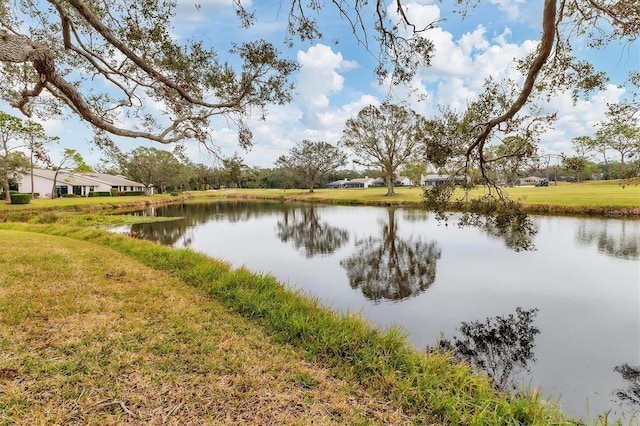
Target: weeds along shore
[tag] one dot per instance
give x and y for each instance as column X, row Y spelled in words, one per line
column 379, row 366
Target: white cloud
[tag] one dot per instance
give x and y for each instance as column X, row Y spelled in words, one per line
column 577, row 119
column 318, row 79
column 453, row 92
column 335, row 119
column 511, row 7
column 331, row 89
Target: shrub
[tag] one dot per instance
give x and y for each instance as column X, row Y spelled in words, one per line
column 125, row 193
column 2, row 194
column 174, row 193
column 24, row 216
column 45, row 218
column 17, row 198
column 100, row 194
column 113, row 192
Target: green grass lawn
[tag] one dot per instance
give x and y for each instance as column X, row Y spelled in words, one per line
column 106, row 329
column 571, row 196
column 113, row 324
column 586, row 194
column 91, row 336
column 587, row 197
column 84, row 203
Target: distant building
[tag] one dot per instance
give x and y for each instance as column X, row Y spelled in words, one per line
column 433, row 180
column 402, row 181
column 80, row 184
column 336, row 183
column 531, row 180
column 364, row 182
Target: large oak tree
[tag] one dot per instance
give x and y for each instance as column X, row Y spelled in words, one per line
column 312, row 160
column 11, row 141
column 384, row 137
column 53, row 51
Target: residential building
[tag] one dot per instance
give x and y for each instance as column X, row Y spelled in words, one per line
column 80, row 184
column 364, row 182
column 530, row 180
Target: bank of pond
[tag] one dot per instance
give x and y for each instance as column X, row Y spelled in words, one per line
column 561, row 319
column 393, row 295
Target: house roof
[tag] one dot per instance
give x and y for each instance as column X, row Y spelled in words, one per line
column 361, row 180
column 75, row 179
column 435, row 177
column 85, row 179
column 117, row 180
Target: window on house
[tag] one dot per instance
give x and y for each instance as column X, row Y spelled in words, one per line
column 62, row 190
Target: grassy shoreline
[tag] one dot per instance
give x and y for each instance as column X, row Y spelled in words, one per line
column 598, row 198
column 323, row 353
column 602, row 198
column 419, row 388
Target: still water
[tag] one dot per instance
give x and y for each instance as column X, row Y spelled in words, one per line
column 402, row 267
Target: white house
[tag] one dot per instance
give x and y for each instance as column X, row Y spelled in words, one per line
column 119, row 182
column 80, row 184
column 433, row 180
column 530, row 180
column 364, row 182
column 402, row 181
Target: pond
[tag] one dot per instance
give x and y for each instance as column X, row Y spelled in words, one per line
column 402, row 267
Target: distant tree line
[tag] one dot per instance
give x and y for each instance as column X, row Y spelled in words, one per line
column 383, row 141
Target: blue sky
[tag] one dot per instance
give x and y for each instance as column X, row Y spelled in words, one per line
column 336, row 80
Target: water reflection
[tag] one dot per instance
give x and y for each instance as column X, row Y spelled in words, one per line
column 576, row 288
column 189, row 215
column 631, row 395
column 303, row 228
column 499, row 346
column 617, row 239
column 517, row 236
column 389, row 267
column 167, row 233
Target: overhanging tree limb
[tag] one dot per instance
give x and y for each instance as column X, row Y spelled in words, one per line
column 544, row 50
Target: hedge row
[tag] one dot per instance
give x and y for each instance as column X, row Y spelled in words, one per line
column 114, row 193
column 100, row 194
column 17, row 198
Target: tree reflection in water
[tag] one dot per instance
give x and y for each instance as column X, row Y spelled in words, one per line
column 186, row 216
column 500, row 346
column 166, row 233
column 304, row 229
column 631, row 395
column 388, row 267
column 617, row 239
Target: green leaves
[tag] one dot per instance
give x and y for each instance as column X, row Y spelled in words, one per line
column 313, row 160
column 385, row 137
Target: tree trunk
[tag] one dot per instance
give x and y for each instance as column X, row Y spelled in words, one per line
column 390, row 191
column 53, row 189
column 7, row 195
column 5, row 184
column 33, row 191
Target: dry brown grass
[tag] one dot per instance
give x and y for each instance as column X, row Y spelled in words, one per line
column 89, row 336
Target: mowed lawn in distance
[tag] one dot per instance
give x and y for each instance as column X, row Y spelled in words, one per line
column 574, row 195
column 90, row 336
